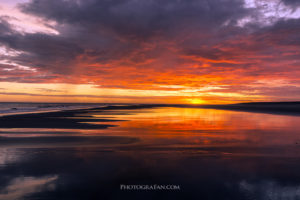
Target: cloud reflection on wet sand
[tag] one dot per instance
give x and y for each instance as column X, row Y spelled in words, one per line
column 211, row 154
column 20, row 187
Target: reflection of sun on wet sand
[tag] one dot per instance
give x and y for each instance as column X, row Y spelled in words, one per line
column 144, row 126
column 88, row 153
column 77, row 119
column 127, row 124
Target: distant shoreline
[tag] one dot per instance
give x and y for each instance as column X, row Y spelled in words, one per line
column 283, row 108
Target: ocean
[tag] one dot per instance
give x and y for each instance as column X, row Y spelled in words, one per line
column 10, row 108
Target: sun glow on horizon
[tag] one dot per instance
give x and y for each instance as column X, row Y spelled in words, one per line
column 196, row 101
column 89, row 93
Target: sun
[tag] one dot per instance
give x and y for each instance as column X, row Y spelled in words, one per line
column 196, row 101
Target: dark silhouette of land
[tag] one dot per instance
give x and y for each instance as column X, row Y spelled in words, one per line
column 285, row 108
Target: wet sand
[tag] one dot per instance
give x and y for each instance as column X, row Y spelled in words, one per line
column 70, row 119
column 60, row 119
column 209, row 153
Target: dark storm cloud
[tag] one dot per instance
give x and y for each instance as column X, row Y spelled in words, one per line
column 138, row 19
column 291, row 2
column 101, row 32
column 282, row 33
column 42, row 50
column 117, row 29
column 5, row 27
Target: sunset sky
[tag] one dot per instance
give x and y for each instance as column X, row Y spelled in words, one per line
column 149, row 51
